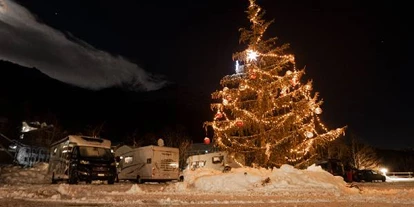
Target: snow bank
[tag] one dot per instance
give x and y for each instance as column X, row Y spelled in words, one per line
column 284, row 179
column 11, row 174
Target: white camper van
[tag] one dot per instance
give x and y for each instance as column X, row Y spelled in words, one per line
column 82, row 158
column 222, row 161
column 149, row 164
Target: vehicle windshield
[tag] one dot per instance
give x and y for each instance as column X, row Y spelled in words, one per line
column 95, row 152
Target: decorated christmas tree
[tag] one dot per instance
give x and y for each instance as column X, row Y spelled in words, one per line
column 264, row 110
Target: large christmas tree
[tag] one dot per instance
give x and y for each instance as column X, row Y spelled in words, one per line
column 263, row 110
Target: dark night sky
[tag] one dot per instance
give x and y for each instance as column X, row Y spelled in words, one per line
column 356, row 53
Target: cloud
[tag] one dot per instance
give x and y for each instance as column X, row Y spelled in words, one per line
column 27, row 42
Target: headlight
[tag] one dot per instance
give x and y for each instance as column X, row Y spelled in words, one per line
column 84, row 162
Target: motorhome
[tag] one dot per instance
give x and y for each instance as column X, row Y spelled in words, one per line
column 149, row 164
column 82, row 158
column 221, row 160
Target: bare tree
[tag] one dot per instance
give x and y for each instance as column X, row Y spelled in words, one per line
column 94, row 131
column 177, row 137
column 184, row 147
column 363, row 156
column 149, row 138
column 133, row 140
column 338, row 149
column 173, row 136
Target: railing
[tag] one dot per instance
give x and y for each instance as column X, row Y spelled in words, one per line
column 400, row 174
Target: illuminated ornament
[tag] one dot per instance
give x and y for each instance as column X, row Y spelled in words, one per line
column 228, row 97
column 253, row 76
column 294, row 81
column 309, row 134
column 288, row 72
column 225, row 102
column 242, row 87
column 239, row 123
column 206, row 140
column 284, row 91
column 251, row 55
column 219, row 115
column 225, row 89
column 308, row 87
column 318, row 110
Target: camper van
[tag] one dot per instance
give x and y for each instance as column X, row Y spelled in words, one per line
column 149, row 164
column 82, row 158
column 222, row 161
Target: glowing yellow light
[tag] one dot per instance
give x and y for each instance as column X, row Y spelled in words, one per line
column 277, row 110
column 251, row 55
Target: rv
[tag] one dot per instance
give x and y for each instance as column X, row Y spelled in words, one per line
column 82, row 158
column 222, row 161
column 149, row 164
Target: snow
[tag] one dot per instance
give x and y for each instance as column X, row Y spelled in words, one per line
column 240, row 186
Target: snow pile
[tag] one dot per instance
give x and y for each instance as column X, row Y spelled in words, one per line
column 283, row 179
column 11, row 174
column 134, row 189
column 207, row 187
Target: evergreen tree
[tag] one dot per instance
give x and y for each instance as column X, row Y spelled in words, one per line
column 263, row 110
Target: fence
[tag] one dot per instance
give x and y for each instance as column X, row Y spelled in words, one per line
column 400, row 174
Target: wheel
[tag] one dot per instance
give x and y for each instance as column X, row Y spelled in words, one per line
column 181, row 179
column 53, row 179
column 139, row 180
column 226, row 169
column 73, row 177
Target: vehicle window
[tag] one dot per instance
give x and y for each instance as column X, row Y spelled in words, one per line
column 95, row 152
column 217, row 159
column 128, row 159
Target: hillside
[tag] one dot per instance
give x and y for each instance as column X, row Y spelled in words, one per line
column 28, row 94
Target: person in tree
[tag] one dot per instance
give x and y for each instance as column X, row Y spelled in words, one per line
column 264, row 110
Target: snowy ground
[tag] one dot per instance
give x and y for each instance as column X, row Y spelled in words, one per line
column 240, row 187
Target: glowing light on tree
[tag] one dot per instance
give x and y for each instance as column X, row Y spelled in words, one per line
column 265, row 111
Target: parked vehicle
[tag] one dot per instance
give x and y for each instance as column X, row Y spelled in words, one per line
column 149, row 164
column 82, row 158
column 222, row 161
column 368, row 176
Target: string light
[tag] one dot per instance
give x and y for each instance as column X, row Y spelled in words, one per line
column 264, row 108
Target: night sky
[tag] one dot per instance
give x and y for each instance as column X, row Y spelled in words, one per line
column 357, row 55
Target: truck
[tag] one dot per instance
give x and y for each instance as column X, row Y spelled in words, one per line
column 220, row 160
column 149, row 164
column 82, row 158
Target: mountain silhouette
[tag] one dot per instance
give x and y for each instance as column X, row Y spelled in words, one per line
column 28, row 94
